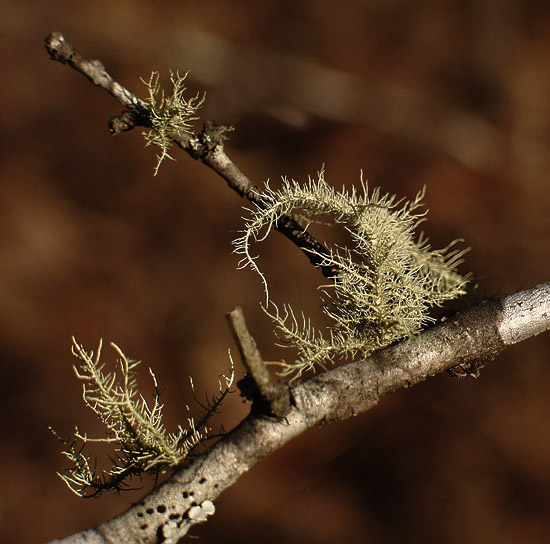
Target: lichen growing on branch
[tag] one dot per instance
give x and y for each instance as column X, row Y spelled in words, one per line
column 133, row 426
column 386, row 281
column 171, row 115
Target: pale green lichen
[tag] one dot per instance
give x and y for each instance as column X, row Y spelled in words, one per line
column 170, row 115
column 386, row 280
column 133, row 426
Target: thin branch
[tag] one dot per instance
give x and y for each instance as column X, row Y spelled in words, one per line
column 405, row 112
column 62, row 51
column 477, row 333
column 207, row 146
column 268, row 397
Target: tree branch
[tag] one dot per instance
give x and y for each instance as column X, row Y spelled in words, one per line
column 477, row 333
column 62, row 51
column 207, row 146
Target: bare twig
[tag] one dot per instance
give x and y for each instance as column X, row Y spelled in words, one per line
column 479, row 332
column 62, row 51
column 268, row 397
column 301, row 89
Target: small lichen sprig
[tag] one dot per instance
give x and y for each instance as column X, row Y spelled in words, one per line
column 386, row 281
column 169, row 115
column 133, row 426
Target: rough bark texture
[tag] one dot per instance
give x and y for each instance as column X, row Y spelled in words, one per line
column 477, row 333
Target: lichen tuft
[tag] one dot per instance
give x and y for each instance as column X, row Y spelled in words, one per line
column 387, row 279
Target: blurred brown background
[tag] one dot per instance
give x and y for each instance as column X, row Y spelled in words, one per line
column 454, row 95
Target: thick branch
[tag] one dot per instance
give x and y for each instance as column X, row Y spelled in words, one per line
column 480, row 332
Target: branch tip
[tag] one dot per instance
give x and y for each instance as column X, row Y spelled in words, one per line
column 58, row 48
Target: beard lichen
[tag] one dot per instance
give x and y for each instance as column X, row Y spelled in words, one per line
column 134, row 427
column 386, row 281
column 169, row 115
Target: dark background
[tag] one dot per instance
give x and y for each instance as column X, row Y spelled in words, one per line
column 451, row 94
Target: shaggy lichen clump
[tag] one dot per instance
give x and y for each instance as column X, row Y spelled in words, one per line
column 170, row 115
column 384, row 284
column 134, row 427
